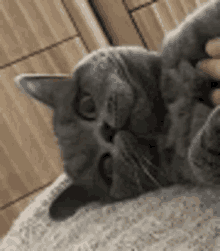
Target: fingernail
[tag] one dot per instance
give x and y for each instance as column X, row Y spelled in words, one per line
column 213, row 47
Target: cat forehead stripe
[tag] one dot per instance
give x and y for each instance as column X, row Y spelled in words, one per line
column 94, row 54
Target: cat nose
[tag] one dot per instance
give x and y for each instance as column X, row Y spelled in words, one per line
column 107, row 132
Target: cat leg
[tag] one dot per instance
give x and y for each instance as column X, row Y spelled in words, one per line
column 188, row 40
column 183, row 85
column 183, row 48
column 204, row 153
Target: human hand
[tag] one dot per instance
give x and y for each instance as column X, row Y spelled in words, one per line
column 212, row 66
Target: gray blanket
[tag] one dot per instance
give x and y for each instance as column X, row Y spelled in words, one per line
column 170, row 219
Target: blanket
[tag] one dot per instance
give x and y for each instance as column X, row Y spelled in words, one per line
column 175, row 218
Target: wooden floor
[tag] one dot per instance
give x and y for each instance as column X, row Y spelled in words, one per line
column 40, row 36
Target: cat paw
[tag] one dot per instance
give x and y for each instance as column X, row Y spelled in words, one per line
column 204, row 153
column 182, row 49
column 188, row 40
column 71, row 200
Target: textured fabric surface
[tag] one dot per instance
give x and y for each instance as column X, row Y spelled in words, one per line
column 171, row 219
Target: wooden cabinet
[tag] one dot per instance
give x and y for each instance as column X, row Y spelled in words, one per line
column 43, row 36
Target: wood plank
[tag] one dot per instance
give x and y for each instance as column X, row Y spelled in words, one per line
column 150, row 27
column 132, row 4
column 177, row 10
column 17, row 177
column 118, row 22
column 163, row 14
column 201, row 2
column 189, row 6
column 85, row 20
column 6, row 219
column 28, row 26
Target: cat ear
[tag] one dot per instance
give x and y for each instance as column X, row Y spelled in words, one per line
column 39, row 86
column 72, row 199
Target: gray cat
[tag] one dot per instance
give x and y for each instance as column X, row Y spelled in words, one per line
column 127, row 118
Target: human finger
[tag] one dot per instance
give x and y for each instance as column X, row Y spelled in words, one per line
column 213, row 48
column 215, row 97
column 210, row 67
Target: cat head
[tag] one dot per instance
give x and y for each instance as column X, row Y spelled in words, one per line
column 107, row 117
column 109, row 114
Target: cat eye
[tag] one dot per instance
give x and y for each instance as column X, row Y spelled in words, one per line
column 85, row 106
